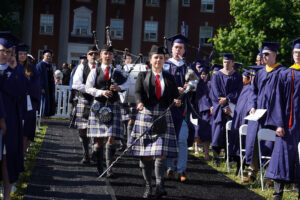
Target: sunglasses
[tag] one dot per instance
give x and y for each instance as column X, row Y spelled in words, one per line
column 93, row 53
column 266, row 54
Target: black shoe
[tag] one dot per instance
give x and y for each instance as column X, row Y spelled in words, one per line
column 122, row 148
column 147, row 193
column 85, row 160
column 110, row 174
column 160, row 191
column 216, row 163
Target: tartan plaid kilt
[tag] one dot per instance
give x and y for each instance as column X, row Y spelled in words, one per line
column 128, row 111
column 161, row 145
column 124, row 111
column 80, row 122
column 99, row 129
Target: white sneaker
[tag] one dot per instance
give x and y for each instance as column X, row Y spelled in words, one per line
column 191, row 148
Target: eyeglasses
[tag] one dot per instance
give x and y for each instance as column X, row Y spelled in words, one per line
column 266, row 54
column 5, row 51
column 93, row 53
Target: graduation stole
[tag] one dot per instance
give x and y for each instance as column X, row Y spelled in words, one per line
column 292, row 94
column 270, row 68
column 295, row 66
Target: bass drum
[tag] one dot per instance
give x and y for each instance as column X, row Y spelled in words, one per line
column 136, row 69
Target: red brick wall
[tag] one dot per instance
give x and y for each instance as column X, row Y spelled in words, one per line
column 39, row 40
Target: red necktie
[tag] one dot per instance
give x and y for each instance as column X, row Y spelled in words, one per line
column 157, row 87
column 93, row 67
column 106, row 74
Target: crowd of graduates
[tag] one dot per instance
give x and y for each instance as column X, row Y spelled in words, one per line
column 222, row 94
column 24, row 86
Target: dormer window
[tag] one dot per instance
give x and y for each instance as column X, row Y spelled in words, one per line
column 82, row 22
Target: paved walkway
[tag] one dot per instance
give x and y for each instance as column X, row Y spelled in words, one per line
column 59, row 175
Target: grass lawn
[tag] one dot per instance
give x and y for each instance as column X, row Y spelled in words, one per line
column 29, row 163
column 255, row 187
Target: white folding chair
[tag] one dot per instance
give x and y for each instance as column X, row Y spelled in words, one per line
column 242, row 132
column 264, row 135
column 228, row 128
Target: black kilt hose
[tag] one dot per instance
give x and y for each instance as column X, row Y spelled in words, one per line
column 164, row 144
column 80, row 121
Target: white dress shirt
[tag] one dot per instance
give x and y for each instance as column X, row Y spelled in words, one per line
column 90, row 82
column 78, row 78
column 162, row 82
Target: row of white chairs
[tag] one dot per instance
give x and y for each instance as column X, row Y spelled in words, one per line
column 262, row 135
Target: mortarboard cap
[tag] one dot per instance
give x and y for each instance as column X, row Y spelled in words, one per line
column 22, row 47
column 7, row 39
column 47, row 51
column 228, row 56
column 105, row 48
column 216, row 67
column 204, row 69
column 178, row 38
column 272, row 46
column 247, row 73
column 237, row 65
column 82, row 57
column 260, row 52
column 256, row 67
column 295, row 43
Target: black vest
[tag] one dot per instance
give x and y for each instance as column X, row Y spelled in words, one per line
column 86, row 71
column 102, row 84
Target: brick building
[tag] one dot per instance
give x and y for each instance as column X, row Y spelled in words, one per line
column 66, row 26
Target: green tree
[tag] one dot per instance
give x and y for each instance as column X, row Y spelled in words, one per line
column 255, row 21
column 9, row 20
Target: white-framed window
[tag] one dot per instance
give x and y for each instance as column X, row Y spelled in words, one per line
column 152, row 3
column 118, row 1
column 186, row 3
column 207, row 5
column 206, row 32
column 186, row 32
column 46, row 24
column 40, row 55
column 116, row 29
column 82, row 22
column 150, row 31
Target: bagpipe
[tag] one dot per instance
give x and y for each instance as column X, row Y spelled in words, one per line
column 122, row 72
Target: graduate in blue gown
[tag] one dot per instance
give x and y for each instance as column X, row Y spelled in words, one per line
column 284, row 115
column 203, row 106
column 177, row 67
column 33, row 95
column 263, row 90
column 47, row 84
column 240, row 112
column 226, row 85
column 12, row 86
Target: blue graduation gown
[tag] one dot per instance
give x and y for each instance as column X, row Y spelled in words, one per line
column 33, row 89
column 12, row 84
column 284, row 164
column 203, row 103
column 179, row 74
column 228, row 86
column 47, row 83
column 263, row 89
column 241, row 111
